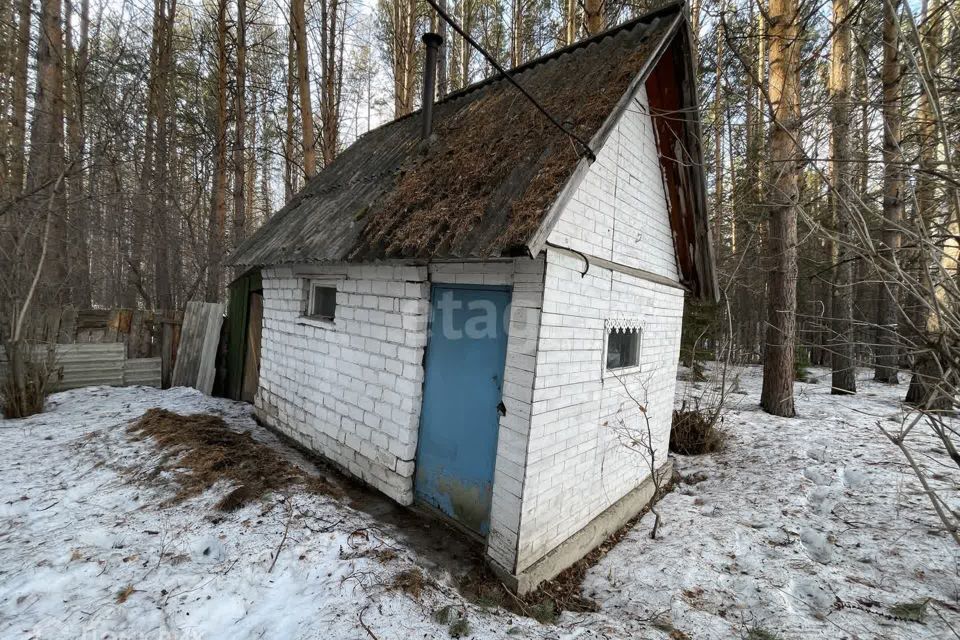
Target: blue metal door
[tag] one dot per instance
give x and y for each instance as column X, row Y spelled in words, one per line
column 461, row 402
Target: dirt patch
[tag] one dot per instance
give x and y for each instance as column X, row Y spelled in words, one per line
column 201, row 450
column 563, row 593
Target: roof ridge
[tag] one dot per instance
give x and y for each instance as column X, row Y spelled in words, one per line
column 648, row 18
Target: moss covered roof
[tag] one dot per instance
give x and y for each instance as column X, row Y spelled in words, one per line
column 483, row 185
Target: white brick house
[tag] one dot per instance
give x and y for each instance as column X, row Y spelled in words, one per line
column 381, row 278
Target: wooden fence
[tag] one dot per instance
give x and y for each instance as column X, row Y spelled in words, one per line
column 145, row 334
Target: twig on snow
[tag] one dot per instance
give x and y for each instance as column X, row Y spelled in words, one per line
column 935, row 500
column 364, row 624
column 286, row 532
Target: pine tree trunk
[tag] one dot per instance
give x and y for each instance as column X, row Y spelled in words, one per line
column 921, row 390
column 18, row 120
column 593, row 16
column 570, row 22
column 442, row 53
column 404, row 55
column 781, row 251
column 74, row 105
column 330, row 97
column 887, row 361
column 8, row 48
column 218, row 202
column 250, row 157
column 299, row 26
column 718, row 145
column 289, row 161
column 160, row 171
column 239, row 141
column 135, row 285
column 747, row 242
column 46, row 165
column 266, row 206
column 841, row 345
column 516, row 27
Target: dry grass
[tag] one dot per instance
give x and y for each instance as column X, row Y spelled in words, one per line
column 694, row 433
column 125, row 593
column 411, row 582
column 200, row 451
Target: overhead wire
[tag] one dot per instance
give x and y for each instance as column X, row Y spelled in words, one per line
column 587, row 151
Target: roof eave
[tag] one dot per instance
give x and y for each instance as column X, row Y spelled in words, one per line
column 709, row 289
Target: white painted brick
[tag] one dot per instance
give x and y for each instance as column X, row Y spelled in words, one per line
column 333, row 388
column 576, row 465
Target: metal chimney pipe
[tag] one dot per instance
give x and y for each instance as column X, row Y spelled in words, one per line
column 433, row 42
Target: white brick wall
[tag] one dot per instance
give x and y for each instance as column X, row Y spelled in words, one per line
column 350, row 391
column 353, row 392
column 619, row 212
column 578, row 463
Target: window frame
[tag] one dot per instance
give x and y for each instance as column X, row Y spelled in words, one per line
column 311, row 286
column 620, row 326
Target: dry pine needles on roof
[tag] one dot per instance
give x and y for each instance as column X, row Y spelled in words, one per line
column 497, row 164
column 202, row 451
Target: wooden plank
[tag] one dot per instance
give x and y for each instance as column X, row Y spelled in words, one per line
column 251, row 366
column 149, row 335
column 185, row 369
column 92, row 318
column 68, row 325
column 196, row 356
column 90, row 335
column 211, row 342
column 51, row 326
column 171, row 324
column 124, row 317
column 135, row 335
column 113, row 322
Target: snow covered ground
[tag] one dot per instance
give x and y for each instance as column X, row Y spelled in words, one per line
column 759, row 541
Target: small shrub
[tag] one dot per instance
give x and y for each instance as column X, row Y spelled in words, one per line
column 459, row 628
column 457, row 624
column 544, row 612
column 698, row 372
column 759, row 633
column 694, row 433
column 25, row 388
column 912, row 611
column 445, row 614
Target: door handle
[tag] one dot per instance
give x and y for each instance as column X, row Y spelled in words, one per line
column 502, row 408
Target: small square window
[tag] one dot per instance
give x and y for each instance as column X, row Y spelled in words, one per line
column 623, row 348
column 322, row 304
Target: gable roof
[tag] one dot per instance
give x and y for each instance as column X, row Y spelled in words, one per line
column 492, row 179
